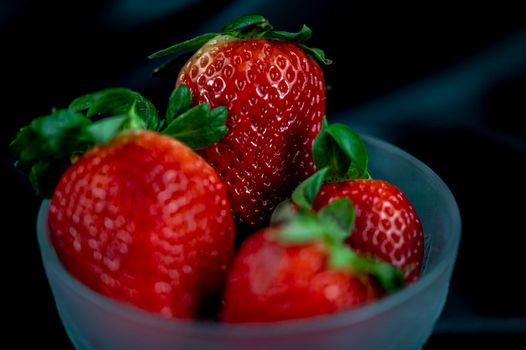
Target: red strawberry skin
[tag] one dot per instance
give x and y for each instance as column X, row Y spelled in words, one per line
column 144, row 220
column 386, row 225
column 275, row 95
column 271, row 282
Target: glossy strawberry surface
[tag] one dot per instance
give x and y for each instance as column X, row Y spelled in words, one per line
column 275, row 95
column 386, row 225
column 144, row 220
column 270, row 281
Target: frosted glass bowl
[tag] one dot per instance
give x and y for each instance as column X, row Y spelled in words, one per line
column 401, row 321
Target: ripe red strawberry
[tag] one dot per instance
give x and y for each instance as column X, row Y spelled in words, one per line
column 302, row 269
column 144, row 220
column 386, row 225
column 275, row 96
column 270, row 281
column 140, row 217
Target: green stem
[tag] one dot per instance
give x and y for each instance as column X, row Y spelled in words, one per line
column 134, row 120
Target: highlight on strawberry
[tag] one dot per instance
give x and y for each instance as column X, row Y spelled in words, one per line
column 274, row 91
column 134, row 214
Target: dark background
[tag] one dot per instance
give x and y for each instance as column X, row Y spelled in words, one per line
column 445, row 83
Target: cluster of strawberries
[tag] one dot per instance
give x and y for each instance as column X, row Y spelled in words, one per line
column 239, row 203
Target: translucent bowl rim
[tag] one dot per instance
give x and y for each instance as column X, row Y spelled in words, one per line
column 309, row 325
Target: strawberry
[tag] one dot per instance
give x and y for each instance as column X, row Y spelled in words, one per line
column 303, row 269
column 270, row 281
column 139, row 217
column 145, row 220
column 387, row 226
column 275, row 95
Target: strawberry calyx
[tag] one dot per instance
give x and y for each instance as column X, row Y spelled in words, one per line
column 247, row 23
column 50, row 144
column 340, row 155
column 305, row 193
column 341, row 150
column 197, row 127
column 301, row 199
column 332, row 225
column 139, row 112
column 244, row 27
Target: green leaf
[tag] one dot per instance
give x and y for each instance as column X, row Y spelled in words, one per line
column 306, row 191
column 340, row 256
column 303, row 35
column 119, row 102
column 199, row 127
column 83, row 103
column 147, row 112
column 245, row 27
column 104, row 130
column 22, row 146
column 193, row 43
column 326, row 153
column 305, row 227
column 324, row 123
column 44, row 147
column 179, row 102
column 172, row 66
column 342, row 150
column 339, row 213
column 246, row 22
column 390, row 278
column 318, row 54
column 55, row 127
column 350, row 143
column 332, row 224
column 49, row 136
column 111, row 102
column 284, row 212
column 45, row 175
